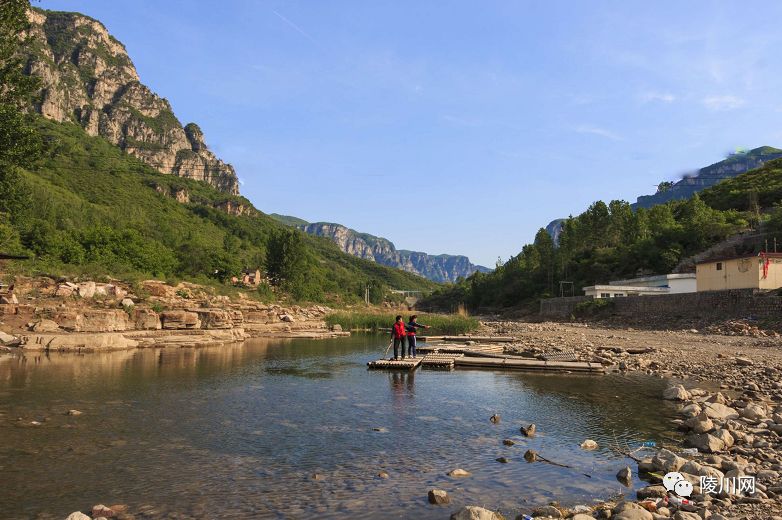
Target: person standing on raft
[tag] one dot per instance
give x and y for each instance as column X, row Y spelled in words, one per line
column 412, row 328
column 399, row 333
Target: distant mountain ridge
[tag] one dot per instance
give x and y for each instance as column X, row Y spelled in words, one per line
column 438, row 268
column 728, row 168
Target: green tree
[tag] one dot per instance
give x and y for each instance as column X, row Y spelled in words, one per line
column 20, row 144
column 290, row 266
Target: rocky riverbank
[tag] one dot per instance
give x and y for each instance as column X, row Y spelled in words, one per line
column 732, row 433
column 46, row 314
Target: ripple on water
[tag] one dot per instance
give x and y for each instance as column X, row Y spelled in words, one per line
column 237, row 432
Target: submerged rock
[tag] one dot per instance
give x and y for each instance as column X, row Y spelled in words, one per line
column 531, row 455
column 676, row 393
column 495, row 418
column 589, row 444
column 625, row 476
column 528, row 431
column 439, row 497
column 459, row 472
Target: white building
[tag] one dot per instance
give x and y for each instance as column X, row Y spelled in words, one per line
column 645, row 285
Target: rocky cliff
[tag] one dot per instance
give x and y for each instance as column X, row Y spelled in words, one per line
column 88, row 78
column 439, row 268
column 732, row 166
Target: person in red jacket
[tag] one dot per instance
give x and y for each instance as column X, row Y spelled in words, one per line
column 398, row 332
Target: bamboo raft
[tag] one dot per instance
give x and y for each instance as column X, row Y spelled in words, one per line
column 467, row 350
column 441, row 360
column 530, row 364
column 396, row 364
column 477, row 339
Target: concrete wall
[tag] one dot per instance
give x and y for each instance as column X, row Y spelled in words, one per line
column 736, row 273
column 774, row 278
column 737, row 303
column 561, row 307
column 682, row 285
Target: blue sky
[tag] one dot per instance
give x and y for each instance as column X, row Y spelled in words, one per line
column 458, row 127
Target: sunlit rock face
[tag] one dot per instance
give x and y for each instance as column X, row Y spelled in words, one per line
column 88, row 78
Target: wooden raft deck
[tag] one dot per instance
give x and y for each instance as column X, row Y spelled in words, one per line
column 477, row 339
column 399, row 364
column 530, row 364
column 440, row 360
column 451, row 348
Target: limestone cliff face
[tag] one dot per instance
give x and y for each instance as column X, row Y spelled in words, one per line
column 440, row 268
column 87, row 77
column 732, row 166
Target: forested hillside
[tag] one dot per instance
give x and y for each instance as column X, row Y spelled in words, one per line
column 611, row 241
column 89, row 208
column 78, row 204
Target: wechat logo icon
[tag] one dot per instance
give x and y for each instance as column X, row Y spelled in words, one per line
column 675, row 483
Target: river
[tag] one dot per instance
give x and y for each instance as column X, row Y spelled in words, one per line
column 239, row 431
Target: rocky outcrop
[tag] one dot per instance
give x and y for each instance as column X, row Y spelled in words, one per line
column 440, row 268
column 732, row 166
column 88, row 78
column 689, row 185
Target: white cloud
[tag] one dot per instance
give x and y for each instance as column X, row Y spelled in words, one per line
column 662, row 97
column 723, row 102
column 602, row 132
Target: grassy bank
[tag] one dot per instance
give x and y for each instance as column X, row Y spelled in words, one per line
column 440, row 323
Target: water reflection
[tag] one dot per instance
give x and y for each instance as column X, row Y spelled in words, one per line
column 237, row 431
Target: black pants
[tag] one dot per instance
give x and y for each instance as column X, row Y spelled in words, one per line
column 397, row 343
column 411, row 345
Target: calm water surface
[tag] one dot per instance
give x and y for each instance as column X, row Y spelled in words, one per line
column 238, row 431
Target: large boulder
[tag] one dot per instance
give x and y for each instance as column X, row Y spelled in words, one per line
column 719, row 411
column 478, row 513
column 104, row 320
column 547, row 512
column 651, row 492
column 86, row 289
column 676, row 393
column 630, row 511
column 158, row 289
column 695, row 468
column 146, row 319
column 65, row 290
column 705, row 442
column 180, row 320
column 667, row 461
column 77, row 515
column 8, row 340
column 88, row 342
column 438, row 496
column 215, row 318
column 45, row 326
column 753, row 412
column 701, row 423
column 725, row 436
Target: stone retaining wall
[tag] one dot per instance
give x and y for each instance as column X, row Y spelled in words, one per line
column 737, row 303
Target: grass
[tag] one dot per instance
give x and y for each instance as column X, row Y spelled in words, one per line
column 440, row 323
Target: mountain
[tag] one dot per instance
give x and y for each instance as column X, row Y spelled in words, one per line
column 96, row 211
column 88, row 78
column 96, row 202
column 554, row 229
column 730, row 167
column 439, row 268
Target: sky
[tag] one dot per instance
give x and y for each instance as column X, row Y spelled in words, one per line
column 457, row 127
